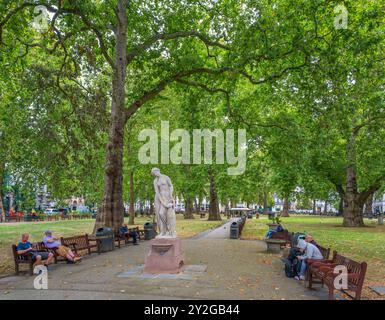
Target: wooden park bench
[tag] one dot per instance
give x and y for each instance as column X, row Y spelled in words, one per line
column 42, row 247
column 52, row 218
column 12, row 218
column 126, row 238
column 324, row 271
column 283, row 235
column 81, row 242
column 25, row 258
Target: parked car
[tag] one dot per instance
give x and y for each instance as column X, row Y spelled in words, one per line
column 83, row 209
column 51, row 211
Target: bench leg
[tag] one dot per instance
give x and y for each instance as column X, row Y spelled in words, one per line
column 310, row 285
column 331, row 293
column 17, row 271
column 31, row 269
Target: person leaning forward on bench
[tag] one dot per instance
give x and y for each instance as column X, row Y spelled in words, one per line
column 53, row 243
column 38, row 257
column 310, row 251
column 124, row 231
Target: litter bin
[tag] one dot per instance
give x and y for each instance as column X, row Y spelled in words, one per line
column 106, row 237
column 380, row 219
column 149, row 232
column 234, row 230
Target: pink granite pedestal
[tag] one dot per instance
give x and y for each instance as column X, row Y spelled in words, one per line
column 165, row 256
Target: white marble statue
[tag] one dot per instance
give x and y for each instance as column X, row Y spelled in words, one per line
column 164, row 204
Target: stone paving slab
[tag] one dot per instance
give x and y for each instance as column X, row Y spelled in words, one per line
column 378, row 289
column 190, row 272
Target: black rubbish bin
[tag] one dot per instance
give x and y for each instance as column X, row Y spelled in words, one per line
column 234, row 230
column 106, row 238
column 149, row 232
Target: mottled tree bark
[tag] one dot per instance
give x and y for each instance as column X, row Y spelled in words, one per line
column 353, row 202
column 265, row 208
column 111, row 212
column 285, row 210
column 326, row 207
column 197, row 205
column 188, row 213
column 369, row 205
column 214, row 207
column 131, row 219
column 2, row 212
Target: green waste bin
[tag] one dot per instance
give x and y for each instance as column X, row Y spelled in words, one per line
column 106, row 238
column 234, row 230
column 149, row 232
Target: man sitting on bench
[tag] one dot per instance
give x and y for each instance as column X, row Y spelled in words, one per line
column 37, row 256
column 309, row 239
column 310, row 251
column 53, row 243
column 125, row 232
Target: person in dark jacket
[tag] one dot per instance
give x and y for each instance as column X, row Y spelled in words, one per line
column 124, row 231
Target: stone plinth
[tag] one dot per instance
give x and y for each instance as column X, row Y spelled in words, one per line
column 165, row 256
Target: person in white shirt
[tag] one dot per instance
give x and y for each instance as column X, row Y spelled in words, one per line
column 310, row 252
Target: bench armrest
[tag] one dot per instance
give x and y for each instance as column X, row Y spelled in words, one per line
column 27, row 255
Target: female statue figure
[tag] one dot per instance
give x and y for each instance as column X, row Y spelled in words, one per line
column 164, row 204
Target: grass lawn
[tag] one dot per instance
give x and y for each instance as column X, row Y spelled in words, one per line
column 360, row 244
column 10, row 232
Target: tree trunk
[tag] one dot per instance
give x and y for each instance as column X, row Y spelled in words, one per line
column 326, row 208
column 353, row 203
column 369, row 205
column 341, row 205
column 111, row 212
column 2, row 212
column 197, row 205
column 285, row 211
column 265, row 208
column 213, row 211
column 188, row 213
column 131, row 219
column 314, row 208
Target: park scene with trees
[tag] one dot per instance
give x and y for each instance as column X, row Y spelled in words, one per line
column 96, row 94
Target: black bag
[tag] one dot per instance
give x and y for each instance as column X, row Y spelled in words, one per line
column 290, row 268
column 294, row 252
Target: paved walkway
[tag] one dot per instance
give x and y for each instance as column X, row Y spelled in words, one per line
column 222, row 232
column 229, row 269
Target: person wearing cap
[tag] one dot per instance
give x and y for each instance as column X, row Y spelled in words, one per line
column 309, row 238
column 310, row 251
column 53, row 243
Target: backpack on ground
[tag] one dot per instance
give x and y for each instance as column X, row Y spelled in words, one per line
column 292, row 267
